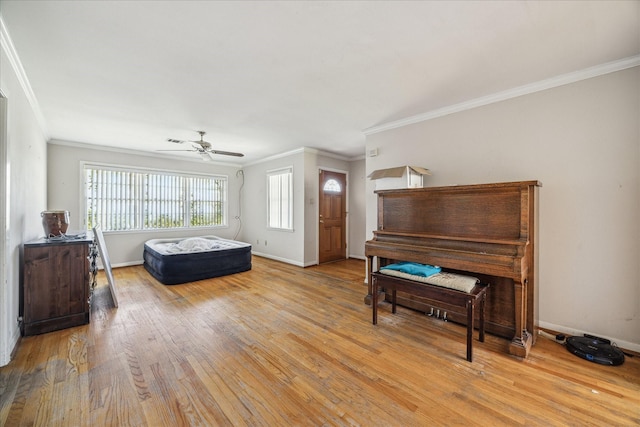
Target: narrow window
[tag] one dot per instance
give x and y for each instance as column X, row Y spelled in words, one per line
column 280, row 199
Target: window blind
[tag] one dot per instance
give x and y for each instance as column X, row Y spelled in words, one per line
column 125, row 199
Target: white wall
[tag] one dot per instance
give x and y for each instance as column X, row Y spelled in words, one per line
column 357, row 208
column 285, row 246
column 126, row 248
column 299, row 247
column 311, row 212
column 24, row 192
column 582, row 141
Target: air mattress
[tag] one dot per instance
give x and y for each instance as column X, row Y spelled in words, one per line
column 181, row 260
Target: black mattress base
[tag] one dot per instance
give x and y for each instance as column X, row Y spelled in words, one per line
column 176, row 268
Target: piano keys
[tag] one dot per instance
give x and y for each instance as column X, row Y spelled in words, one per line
column 487, row 230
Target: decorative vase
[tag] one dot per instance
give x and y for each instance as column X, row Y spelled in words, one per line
column 55, row 223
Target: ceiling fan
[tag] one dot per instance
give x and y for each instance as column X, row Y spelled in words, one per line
column 203, row 148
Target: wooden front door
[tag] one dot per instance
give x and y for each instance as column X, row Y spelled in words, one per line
column 333, row 216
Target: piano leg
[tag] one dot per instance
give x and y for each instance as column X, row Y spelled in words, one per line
column 521, row 342
column 368, row 297
column 374, row 303
column 483, row 302
column 393, row 301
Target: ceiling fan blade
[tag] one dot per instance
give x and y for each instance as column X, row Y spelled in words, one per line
column 226, row 153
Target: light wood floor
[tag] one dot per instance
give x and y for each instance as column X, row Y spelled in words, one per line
column 282, row 346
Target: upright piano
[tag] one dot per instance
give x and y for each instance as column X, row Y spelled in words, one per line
column 485, row 230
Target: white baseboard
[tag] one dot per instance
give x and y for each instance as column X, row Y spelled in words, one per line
column 570, row 331
column 260, row 254
column 5, row 354
column 277, row 258
column 122, row 264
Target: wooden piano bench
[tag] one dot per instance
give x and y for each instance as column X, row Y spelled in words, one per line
column 437, row 293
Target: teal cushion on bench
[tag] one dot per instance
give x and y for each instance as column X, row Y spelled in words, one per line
column 424, row 270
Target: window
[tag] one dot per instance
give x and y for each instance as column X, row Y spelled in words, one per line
column 332, row 186
column 280, row 198
column 122, row 199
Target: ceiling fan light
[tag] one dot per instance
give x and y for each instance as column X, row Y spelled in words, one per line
column 205, row 156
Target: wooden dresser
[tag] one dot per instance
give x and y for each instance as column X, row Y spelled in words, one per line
column 57, row 282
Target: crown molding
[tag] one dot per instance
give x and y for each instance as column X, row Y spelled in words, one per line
column 129, row 151
column 298, row 151
column 561, row 80
column 276, row 156
column 336, row 156
column 18, row 69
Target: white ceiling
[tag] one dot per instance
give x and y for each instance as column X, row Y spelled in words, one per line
column 268, row 77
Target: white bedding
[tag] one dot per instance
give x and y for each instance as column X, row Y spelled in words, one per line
column 192, row 245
